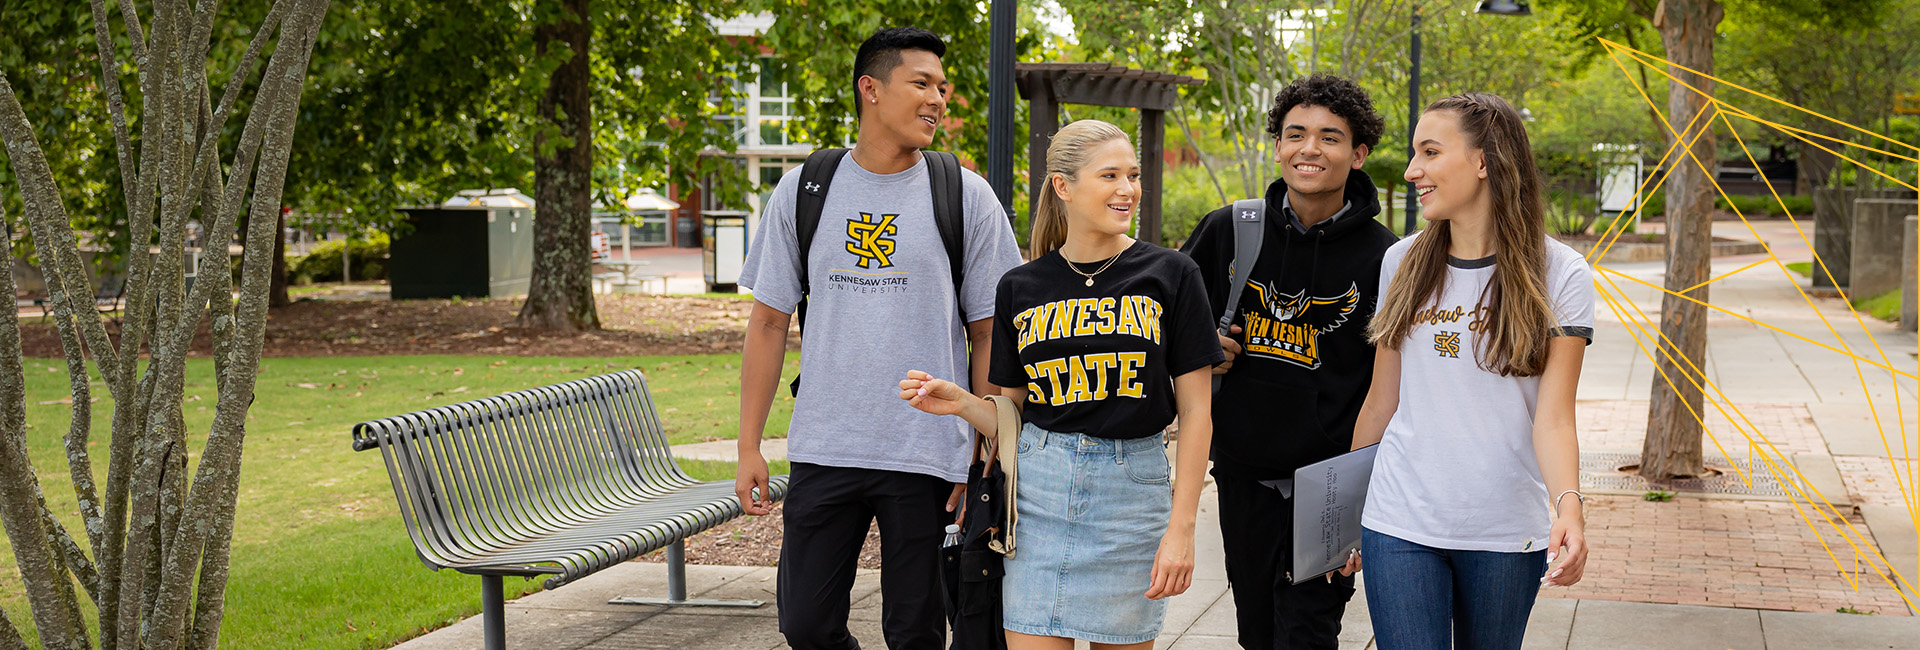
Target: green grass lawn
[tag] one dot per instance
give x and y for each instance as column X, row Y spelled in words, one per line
column 320, row 558
column 1885, row 306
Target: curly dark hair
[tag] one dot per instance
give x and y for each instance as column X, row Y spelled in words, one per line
column 1340, row 95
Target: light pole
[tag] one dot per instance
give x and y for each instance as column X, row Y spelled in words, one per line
column 1413, row 117
column 1002, row 17
column 1495, row 7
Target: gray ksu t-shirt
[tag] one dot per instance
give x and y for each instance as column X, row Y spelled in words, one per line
column 882, row 304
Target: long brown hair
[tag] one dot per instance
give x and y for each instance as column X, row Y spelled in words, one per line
column 1066, row 156
column 1514, row 330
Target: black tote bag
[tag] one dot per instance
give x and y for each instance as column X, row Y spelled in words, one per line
column 973, row 567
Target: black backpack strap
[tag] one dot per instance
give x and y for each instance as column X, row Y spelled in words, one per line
column 1249, row 231
column 816, row 176
column 949, row 213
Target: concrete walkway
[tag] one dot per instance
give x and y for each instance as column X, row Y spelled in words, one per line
column 1809, row 406
column 577, row 616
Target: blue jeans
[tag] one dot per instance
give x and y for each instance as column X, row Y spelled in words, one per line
column 1422, row 598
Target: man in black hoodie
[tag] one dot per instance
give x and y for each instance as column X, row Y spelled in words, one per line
column 1298, row 361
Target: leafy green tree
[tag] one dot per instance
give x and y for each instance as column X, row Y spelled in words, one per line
column 817, row 41
column 1846, row 65
column 155, row 555
column 1247, row 52
column 1232, row 45
column 46, row 51
column 424, row 97
column 1689, row 32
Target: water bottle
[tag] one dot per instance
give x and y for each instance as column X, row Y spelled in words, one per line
column 953, row 535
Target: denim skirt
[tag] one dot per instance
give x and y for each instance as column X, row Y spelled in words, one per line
column 1092, row 511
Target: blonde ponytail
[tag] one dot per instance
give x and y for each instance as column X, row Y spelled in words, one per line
column 1066, row 155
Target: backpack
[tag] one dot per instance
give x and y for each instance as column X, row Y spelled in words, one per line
column 816, row 177
column 1249, row 231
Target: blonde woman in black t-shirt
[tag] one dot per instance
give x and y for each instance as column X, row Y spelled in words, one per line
column 1102, row 339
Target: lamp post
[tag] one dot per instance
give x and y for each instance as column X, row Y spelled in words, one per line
column 1002, row 17
column 1413, row 117
column 1495, row 7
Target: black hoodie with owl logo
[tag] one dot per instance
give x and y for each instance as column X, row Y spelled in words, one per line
column 1294, row 392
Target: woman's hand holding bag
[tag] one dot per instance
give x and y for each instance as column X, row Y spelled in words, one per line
column 998, row 421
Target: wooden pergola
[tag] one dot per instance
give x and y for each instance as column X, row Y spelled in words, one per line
column 1046, row 86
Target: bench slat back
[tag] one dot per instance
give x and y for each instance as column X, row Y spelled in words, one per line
column 491, row 472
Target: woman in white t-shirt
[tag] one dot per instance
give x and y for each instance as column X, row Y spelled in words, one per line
column 1480, row 332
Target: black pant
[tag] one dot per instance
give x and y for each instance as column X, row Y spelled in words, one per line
column 1256, row 527
column 828, row 511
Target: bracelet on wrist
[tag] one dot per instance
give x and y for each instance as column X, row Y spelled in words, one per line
column 1578, row 497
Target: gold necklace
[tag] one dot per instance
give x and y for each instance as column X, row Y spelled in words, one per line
column 1103, row 267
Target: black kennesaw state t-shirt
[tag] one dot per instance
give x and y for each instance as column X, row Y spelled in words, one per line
column 1101, row 360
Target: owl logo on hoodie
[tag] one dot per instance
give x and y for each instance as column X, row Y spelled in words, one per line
column 1288, row 326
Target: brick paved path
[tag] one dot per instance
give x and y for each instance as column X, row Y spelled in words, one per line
column 1725, row 552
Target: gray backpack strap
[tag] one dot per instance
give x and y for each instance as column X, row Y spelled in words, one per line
column 1249, row 230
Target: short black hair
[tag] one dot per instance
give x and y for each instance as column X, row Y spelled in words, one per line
column 880, row 53
column 1338, row 94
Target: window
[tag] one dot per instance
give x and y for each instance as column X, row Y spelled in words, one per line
column 735, row 125
column 765, row 105
column 774, row 104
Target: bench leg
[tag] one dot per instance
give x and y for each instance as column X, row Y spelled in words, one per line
column 677, row 586
column 493, row 613
column 677, row 571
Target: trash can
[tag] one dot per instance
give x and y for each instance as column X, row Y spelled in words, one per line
column 724, row 252
column 686, row 231
column 478, row 244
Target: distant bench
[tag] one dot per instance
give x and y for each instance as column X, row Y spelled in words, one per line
column 106, row 299
column 561, row 480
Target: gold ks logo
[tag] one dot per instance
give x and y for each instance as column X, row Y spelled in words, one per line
column 872, row 241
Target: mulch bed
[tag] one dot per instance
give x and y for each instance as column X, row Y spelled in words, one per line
column 1629, row 238
column 630, row 325
column 754, row 541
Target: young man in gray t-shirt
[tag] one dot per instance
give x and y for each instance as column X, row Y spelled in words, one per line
column 882, row 302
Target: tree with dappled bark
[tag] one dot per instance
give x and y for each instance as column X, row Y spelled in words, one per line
column 153, row 556
column 1689, row 31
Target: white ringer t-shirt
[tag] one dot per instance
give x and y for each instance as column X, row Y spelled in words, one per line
column 1456, row 469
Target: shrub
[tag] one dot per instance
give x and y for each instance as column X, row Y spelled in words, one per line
column 1800, row 205
column 1656, row 205
column 322, row 264
column 1570, row 213
column 1606, row 224
column 1186, row 195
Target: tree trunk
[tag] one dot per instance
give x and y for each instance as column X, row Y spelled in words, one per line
column 1816, row 165
column 277, row 288
column 560, row 294
column 1672, row 447
column 158, row 530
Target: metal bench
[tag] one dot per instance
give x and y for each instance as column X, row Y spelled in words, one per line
column 561, row 480
column 106, row 299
